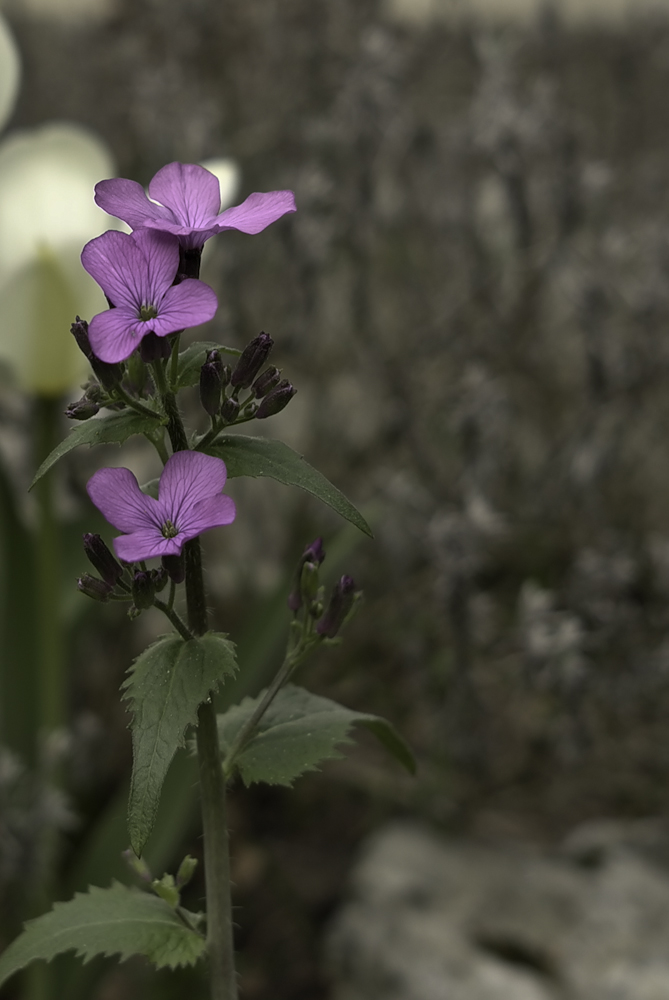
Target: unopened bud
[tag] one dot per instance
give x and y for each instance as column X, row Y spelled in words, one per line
column 226, row 375
column 89, row 585
column 175, row 567
column 159, row 579
column 102, row 559
column 154, row 348
column 230, row 410
column 266, row 382
column 276, row 400
column 210, row 387
column 252, row 358
column 186, row 871
column 166, row 889
column 214, row 358
column 143, row 590
column 313, row 554
column 108, row 374
column 341, row 603
column 82, row 409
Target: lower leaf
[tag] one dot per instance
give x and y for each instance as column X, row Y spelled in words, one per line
column 115, row 921
column 298, row 731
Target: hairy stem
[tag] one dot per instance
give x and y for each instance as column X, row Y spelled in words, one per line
column 170, row 613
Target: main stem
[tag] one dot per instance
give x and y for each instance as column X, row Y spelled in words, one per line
column 220, row 941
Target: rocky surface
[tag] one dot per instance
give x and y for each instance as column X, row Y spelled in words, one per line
column 435, row 919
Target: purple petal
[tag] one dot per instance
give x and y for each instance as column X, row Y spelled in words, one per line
column 187, row 304
column 210, row 513
column 127, row 200
column 146, row 544
column 161, row 252
column 187, row 478
column 190, row 237
column 191, row 192
column 116, row 493
column 115, row 334
column 257, row 212
column 119, row 267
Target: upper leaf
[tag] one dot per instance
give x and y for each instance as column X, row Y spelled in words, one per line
column 165, row 686
column 114, row 921
column 115, row 428
column 297, row 732
column 258, row 456
column 192, row 359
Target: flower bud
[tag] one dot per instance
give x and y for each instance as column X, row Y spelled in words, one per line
column 175, row 567
column 159, row 579
column 266, row 381
column 276, row 400
column 109, row 375
column 229, row 410
column 253, row 357
column 143, row 590
column 214, row 358
column 154, row 348
column 314, row 554
column 226, row 375
column 186, row 871
column 81, row 409
column 92, row 587
column 102, row 559
column 341, row 603
column 210, row 387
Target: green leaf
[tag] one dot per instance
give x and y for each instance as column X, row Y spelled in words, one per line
column 297, row 732
column 165, row 687
column 258, row 456
column 114, row 921
column 115, row 428
column 192, row 359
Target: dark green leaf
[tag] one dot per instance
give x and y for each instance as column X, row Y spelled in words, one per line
column 192, row 359
column 297, row 732
column 114, row 921
column 165, row 687
column 257, row 456
column 115, row 428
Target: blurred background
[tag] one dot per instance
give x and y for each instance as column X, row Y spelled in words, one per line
column 473, row 302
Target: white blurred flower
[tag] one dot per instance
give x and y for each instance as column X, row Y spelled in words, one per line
column 47, row 213
column 229, row 177
column 10, row 72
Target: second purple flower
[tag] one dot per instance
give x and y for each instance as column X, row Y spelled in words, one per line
column 136, row 272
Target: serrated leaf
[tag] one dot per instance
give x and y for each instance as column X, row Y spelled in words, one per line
column 115, row 428
column 165, row 686
column 258, row 456
column 192, row 359
column 298, row 731
column 114, row 921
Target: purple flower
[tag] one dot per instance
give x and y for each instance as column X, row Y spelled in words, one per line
column 189, row 205
column 189, row 502
column 136, row 271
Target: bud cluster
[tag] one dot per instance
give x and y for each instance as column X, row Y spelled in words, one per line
column 123, row 583
column 221, row 386
column 308, row 594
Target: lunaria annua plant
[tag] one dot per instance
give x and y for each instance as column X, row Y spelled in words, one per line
column 150, row 278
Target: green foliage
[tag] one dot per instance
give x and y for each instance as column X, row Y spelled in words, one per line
column 298, row 731
column 257, row 456
column 115, row 428
column 192, row 359
column 166, row 685
column 114, row 921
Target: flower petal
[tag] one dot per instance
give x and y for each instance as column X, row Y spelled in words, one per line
column 127, row 200
column 116, row 493
column 187, row 478
column 190, row 237
column 210, row 513
column 191, row 192
column 119, row 267
column 161, row 251
column 188, row 304
column 146, row 543
column 257, row 212
column 115, row 334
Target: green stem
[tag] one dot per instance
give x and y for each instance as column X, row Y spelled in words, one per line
column 135, row 404
column 174, row 363
column 220, row 940
column 174, row 618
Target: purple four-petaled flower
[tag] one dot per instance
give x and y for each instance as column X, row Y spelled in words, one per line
column 136, row 271
column 189, row 502
column 186, row 201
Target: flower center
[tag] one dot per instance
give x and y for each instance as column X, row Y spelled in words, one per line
column 169, row 530
column 147, row 312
